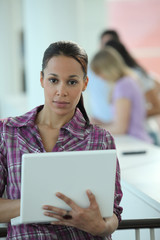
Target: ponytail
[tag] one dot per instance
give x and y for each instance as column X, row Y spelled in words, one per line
column 80, row 105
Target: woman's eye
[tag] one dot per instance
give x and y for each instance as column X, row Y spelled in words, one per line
column 53, row 80
column 72, row 82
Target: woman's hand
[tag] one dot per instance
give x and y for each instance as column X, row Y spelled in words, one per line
column 87, row 219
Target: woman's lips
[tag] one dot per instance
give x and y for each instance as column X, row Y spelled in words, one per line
column 60, row 104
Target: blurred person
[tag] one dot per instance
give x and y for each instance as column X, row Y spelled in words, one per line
column 98, row 90
column 126, row 97
column 108, row 35
column 150, row 87
column 145, row 81
column 61, row 124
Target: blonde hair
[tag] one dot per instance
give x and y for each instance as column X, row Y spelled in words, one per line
column 109, row 63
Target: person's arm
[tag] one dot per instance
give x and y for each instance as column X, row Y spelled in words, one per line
column 9, row 209
column 153, row 102
column 121, row 120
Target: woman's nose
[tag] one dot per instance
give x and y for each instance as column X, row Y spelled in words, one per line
column 61, row 91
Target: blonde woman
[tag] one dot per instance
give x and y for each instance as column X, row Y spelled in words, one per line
column 126, row 97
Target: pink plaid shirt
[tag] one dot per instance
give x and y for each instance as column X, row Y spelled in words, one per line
column 20, row 135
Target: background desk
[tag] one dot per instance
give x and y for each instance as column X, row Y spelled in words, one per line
column 140, row 175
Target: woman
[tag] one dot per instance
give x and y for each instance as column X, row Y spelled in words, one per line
column 126, row 96
column 61, row 124
column 146, row 81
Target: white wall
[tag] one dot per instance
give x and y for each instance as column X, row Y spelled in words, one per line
column 10, row 54
column 43, row 22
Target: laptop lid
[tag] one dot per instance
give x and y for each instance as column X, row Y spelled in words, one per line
column 71, row 173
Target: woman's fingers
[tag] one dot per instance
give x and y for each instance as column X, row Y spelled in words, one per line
column 56, row 212
column 53, row 211
column 59, row 220
column 92, row 199
column 67, row 200
column 53, row 215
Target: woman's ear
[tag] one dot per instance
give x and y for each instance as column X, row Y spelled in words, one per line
column 42, row 79
column 85, row 84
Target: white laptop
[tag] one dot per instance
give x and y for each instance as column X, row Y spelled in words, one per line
column 71, row 173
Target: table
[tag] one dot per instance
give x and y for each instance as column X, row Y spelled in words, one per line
column 140, row 170
column 140, row 183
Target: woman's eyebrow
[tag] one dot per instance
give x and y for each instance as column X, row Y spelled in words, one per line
column 73, row 76
column 70, row 76
column 53, row 74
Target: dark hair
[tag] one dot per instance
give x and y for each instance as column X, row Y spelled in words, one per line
column 73, row 50
column 129, row 60
column 111, row 32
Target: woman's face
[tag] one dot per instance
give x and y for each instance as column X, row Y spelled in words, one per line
column 63, row 83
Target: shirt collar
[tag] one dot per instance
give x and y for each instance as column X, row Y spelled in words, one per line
column 28, row 119
column 75, row 126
